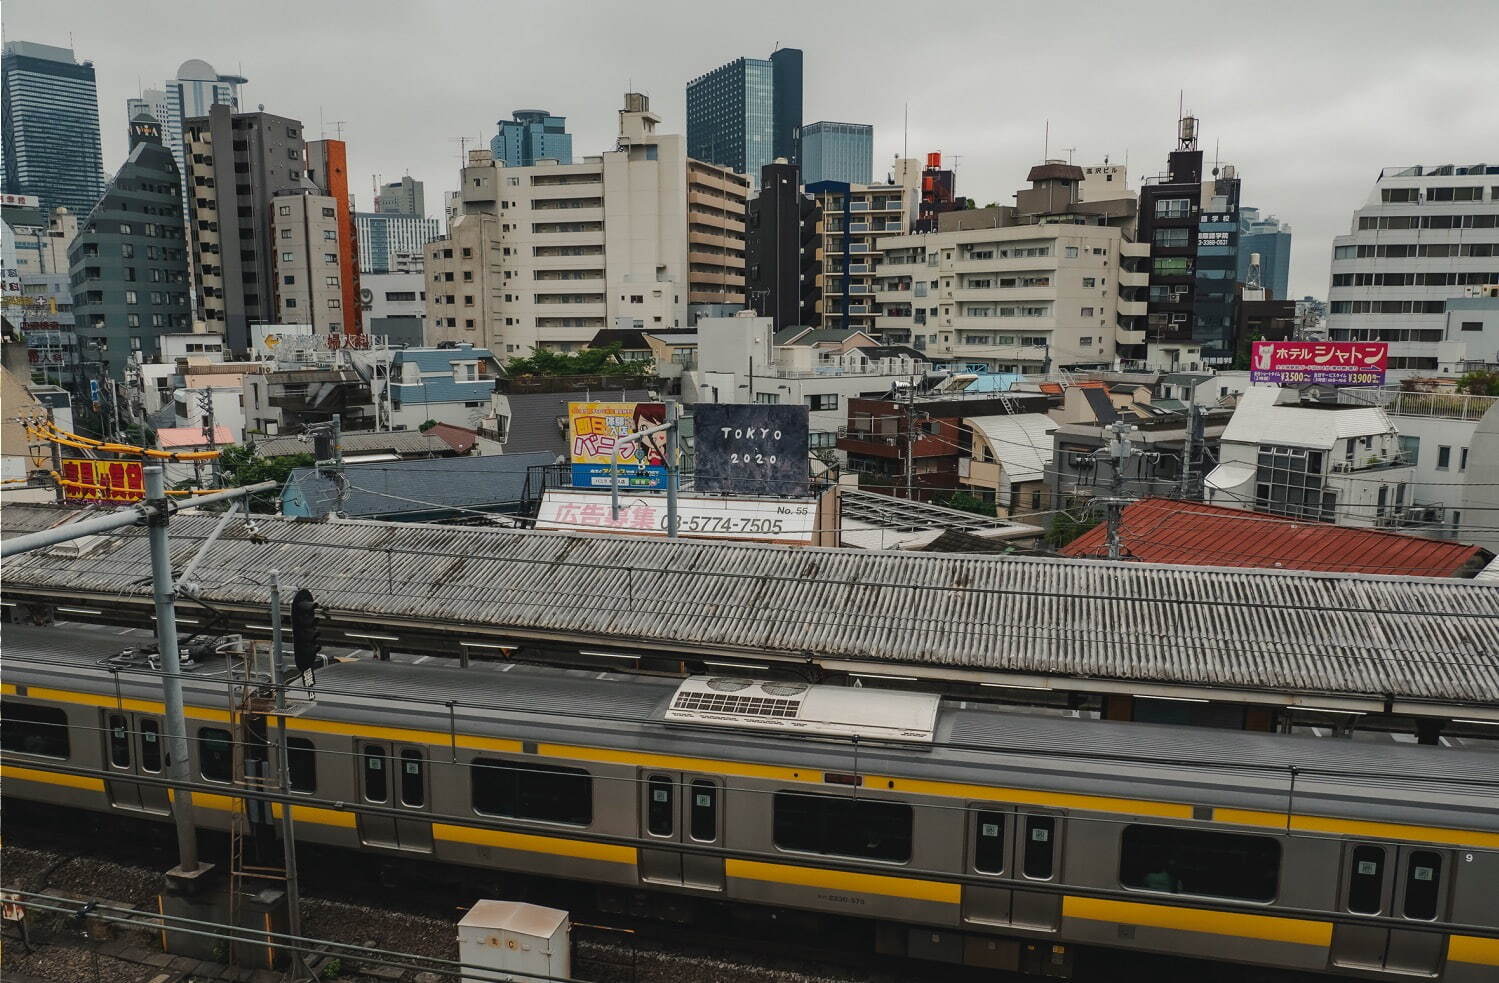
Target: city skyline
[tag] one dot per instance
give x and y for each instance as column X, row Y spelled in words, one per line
column 1345, row 97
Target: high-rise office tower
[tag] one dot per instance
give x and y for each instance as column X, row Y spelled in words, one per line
column 747, row 113
column 404, row 197
column 236, row 163
column 196, row 88
column 1425, row 235
column 1271, row 238
column 51, row 127
column 837, row 152
column 532, row 135
column 388, row 240
column 1192, row 226
column 128, row 264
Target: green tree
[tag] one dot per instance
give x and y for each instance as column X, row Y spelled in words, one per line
column 1481, row 382
column 241, row 465
column 589, row 361
column 965, row 502
column 1065, row 527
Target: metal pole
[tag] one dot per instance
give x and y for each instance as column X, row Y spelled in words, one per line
column 283, row 769
column 673, row 474
column 164, row 592
column 62, row 492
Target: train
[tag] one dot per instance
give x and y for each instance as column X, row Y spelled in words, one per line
column 968, row 832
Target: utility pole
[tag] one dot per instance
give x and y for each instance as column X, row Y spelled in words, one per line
column 283, row 770
column 1190, row 449
column 910, row 436
column 205, row 404
column 62, row 492
column 164, row 592
column 1119, row 450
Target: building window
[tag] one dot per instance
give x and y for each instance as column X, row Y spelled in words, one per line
column 286, row 257
column 1176, row 860
column 767, row 398
column 288, row 279
column 334, row 303
column 839, row 826
column 549, row 793
column 1087, row 312
column 130, row 297
column 286, row 233
column 283, row 209
column 331, row 235
column 330, row 257
column 1472, row 326
column 328, row 213
column 1089, row 281
column 1462, row 459
column 291, row 302
column 1444, row 458
column 825, row 401
column 330, row 281
column 301, row 764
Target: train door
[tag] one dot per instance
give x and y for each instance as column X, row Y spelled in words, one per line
column 133, row 746
column 395, row 778
column 1409, row 883
column 681, row 809
column 1016, row 847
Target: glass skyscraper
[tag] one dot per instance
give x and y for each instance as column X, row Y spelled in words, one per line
column 1272, row 240
column 532, row 135
column 51, row 127
column 747, row 113
column 837, row 152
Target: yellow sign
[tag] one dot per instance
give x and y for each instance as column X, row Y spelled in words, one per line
column 595, row 428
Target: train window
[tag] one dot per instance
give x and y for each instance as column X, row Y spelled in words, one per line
column 216, row 754
column 119, row 741
column 989, row 842
column 413, row 788
column 301, row 764
column 150, row 745
column 1366, row 881
column 843, row 827
column 658, row 806
column 1423, row 882
column 30, row 729
column 1040, row 848
column 374, row 773
column 704, row 814
column 1198, row 861
column 550, row 793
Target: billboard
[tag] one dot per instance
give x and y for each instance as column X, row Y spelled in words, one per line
column 750, row 448
column 103, row 481
column 1323, row 363
column 698, row 517
column 593, row 429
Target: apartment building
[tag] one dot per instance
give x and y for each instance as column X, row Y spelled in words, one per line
column 1322, row 461
column 384, row 238
column 852, row 218
column 236, row 164
column 328, row 170
column 309, row 262
column 1026, row 298
column 716, row 198
column 545, row 256
column 1425, row 233
column 781, row 249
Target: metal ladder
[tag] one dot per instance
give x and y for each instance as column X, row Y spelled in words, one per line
column 247, row 701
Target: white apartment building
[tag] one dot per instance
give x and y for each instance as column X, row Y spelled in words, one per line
column 1327, row 462
column 388, row 241
column 1425, row 234
column 545, row 256
column 738, row 361
column 1021, row 298
column 304, row 230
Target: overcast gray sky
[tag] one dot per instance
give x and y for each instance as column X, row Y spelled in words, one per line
column 1309, row 99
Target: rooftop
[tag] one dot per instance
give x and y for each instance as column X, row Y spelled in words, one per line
column 1260, row 419
column 428, row 488
column 1387, row 644
column 407, row 443
column 191, row 437
column 1159, row 530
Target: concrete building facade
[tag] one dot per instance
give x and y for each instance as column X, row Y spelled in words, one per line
column 128, row 266
column 1425, row 234
column 545, row 256
column 852, row 218
column 715, row 234
column 404, row 197
column 328, row 170
column 309, row 262
column 781, row 248
column 50, row 125
column 837, row 152
column 386, row 237
column 41, row 241
column 237, row 163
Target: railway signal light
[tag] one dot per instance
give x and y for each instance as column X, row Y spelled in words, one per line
column 305, row 640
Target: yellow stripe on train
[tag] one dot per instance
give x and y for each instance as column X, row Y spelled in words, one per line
column 840, row 880
column 1272, row 928
column 1468, row 949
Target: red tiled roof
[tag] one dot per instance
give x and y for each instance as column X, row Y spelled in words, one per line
column 1091, row 384
column 1158, row 530
column 461, row 439
column 1053, row 388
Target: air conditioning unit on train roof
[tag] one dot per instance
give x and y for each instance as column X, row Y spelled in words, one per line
column 801, row 708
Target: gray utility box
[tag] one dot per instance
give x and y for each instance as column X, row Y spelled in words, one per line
column 503, row 937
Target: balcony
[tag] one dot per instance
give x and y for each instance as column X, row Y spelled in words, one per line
column 1137, row 249
column 1132, row 308
column 860, row 268
column 1361, row 464
column 1131, row 279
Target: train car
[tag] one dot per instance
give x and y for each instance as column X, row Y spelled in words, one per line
column 969, row 833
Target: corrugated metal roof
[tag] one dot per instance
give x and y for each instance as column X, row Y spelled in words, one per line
column 1159, row 530
column 419, row 487
column 403, row 442
column 1022, row 441
column 1388, row 638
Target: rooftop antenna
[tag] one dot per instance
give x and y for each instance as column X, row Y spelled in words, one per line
column 1071, row 151
column 1046, row 143
column 462, row 150
column 338, row 127
column 905, row 137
